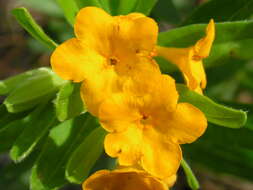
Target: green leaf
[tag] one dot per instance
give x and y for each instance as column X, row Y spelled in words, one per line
column 37, row 126
column 86, row 3
column 32, row 91
column 221, row 11
column 85, row 156
column 9, row 84
column 224, row 151
column 62, row 141
column 9, row 134
column 68, row 102
column 233, row 40
column 6, row 117
column 215, row 113
column 145, row 6
column 191, row 179
column 165, row 10
column 123, row 7
column 28, row 23
column 70, row 9
column 35, row 182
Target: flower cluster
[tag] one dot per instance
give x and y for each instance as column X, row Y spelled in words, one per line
column 136, row 104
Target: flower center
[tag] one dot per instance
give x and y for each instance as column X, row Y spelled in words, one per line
column 113, row 60
column 144, row 119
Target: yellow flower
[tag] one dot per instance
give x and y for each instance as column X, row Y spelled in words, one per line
column 147, row 125
column 125, row 179
column 189, row 60
column 105, row 49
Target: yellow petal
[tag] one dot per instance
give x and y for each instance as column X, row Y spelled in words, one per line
column 130, row 179
column 98, row 88
column 160, row 158
column 203, row 47
column 126, row 145
column 189, row 60
column 118, row 112
column 137, row 34
column 185, row 125
column 73, row 61
column 93, row 26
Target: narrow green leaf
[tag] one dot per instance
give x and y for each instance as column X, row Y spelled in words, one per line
column 62, row 141
column 68, row 101
column 233, row 40
column 165, row 10
column 9, row 84
column 238, row 10
column 86, row 3
column 125, row 7
column 33, row 90
column 70, row 9
column 28, row 23
column 190, row 177
column 11, row 130
column 145, row 6
column 9, row 134
column 85, row 156
column 37, row 126
column 215, row 113
column 224, row 151
column 35, row 182
column 6, row 117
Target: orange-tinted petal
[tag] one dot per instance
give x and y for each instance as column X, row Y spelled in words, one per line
column 119, row 112
column 94, row 27
column 185, row 125
column 189, row 60
column 72, row 61
column 161, row 158
column 130, row 179
column 126, row 145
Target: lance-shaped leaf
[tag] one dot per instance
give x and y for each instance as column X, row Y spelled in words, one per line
column 145, row 6
column 37, row 127
column 215, row 113
column 70, row 9
column 85, row 156
column 224, row 11
column 224, row 151
column 6, row 117
column 68, row 102
column 62, row 141
column 9, row 84
column 12, row 130
column 29, row 24
column 190, row 177
column 233, row 40
column 33, row 91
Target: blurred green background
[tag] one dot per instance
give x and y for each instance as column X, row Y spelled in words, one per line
column 223, row 158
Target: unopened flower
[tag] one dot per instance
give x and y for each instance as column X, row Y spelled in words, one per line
column 189, row 60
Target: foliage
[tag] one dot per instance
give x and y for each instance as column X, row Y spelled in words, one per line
column 44, row 122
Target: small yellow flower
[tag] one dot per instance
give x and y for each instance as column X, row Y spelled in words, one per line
column 105, row 49
column 126, row 179
column 189, row 60
column 147, row 125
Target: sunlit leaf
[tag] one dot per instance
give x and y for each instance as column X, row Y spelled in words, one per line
column 215, row 113
column 85, row 156
column 70, row 9
column 29, row 24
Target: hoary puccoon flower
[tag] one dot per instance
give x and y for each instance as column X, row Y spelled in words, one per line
column 146, row 125
column 122, row 85
column 126, row 179
column 105, row 51
column 189, row 60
